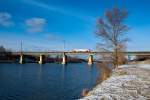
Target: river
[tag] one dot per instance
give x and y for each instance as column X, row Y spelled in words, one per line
column 32, row 81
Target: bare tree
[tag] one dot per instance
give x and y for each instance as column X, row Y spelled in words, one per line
column 111, row 29
column 4, row 52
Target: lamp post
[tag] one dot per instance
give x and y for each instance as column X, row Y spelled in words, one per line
column 21, row 47
column 64, row 44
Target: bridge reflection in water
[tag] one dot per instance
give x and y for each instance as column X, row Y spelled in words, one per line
column 49, row 81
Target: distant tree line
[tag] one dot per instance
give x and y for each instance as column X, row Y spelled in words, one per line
column 4, row 53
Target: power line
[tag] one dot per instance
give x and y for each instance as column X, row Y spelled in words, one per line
column 21, row 47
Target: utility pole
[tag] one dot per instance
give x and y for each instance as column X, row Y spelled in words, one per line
column 64, row 44
column 21, row 47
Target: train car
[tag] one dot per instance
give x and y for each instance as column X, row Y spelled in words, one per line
column 81, row 50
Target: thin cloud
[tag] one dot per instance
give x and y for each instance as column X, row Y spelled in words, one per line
column 6, row 19
column 58, row 10
column 35, row 24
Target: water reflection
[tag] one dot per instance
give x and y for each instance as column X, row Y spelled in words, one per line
column 63, row 74
column 91, row 73
column 20, row 72
column 40, row 71
column 46, row 82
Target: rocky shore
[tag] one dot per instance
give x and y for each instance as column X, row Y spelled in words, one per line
column 128, row 82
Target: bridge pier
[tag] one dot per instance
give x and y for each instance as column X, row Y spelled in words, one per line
column 64, row 59
column 90, row 60
column 21, row 61
column 129, row 58
column 41, row 59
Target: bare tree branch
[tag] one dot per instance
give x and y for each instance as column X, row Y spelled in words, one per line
column 112, row 30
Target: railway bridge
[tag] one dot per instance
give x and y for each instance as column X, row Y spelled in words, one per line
column 66, row 53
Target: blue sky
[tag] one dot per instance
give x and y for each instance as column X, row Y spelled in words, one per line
column 45, row 24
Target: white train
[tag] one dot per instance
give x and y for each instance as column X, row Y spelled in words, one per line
column 81, row 50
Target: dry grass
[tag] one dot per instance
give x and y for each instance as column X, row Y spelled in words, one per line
column 121, row 72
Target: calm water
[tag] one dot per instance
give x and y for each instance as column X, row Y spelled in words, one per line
column 45, row 82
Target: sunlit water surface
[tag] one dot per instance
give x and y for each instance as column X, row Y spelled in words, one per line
column 46, row 82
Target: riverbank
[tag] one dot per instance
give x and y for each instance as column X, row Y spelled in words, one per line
column 129, row 82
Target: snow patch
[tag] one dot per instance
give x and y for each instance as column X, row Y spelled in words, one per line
column 134, row 85
column 145, row 66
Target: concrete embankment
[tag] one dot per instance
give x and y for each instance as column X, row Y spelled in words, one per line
column 129, row 82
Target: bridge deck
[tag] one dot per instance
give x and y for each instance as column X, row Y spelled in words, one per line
column 73, row 53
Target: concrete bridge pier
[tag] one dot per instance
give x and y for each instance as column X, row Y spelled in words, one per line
column 90, row 60
column 128, row 57
column 64, row 59
column 21, row 61
column 41, row 59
